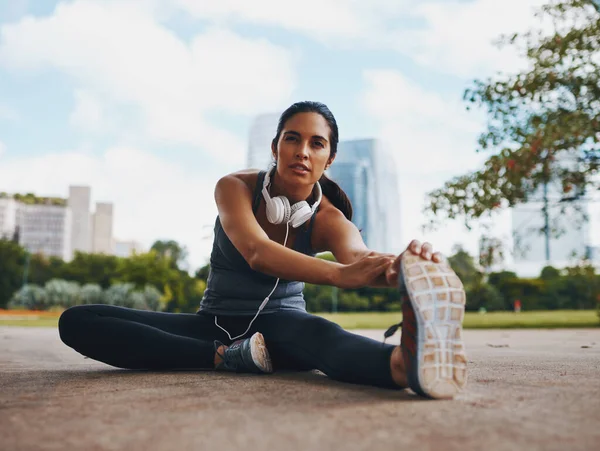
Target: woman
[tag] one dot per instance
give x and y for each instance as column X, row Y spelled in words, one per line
column 269, row 227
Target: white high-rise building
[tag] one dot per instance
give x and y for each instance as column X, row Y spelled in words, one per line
column 45, row 229
column 102, row 229
column 8, row 217
column 262, row 132
column 79, row 203
column 570, row 238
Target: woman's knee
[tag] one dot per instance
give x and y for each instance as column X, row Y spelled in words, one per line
column 70, row 321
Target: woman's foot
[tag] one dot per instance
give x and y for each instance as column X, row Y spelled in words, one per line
column 244, row 356
column 432, row 316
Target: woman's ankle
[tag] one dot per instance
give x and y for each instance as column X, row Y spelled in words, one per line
column 219, row 352
column 397, row 368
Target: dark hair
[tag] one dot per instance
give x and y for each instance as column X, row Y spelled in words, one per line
column 330, row 189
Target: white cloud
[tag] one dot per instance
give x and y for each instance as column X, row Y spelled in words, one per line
column 417, row 122
column 164, row 200
column 457, row 37
column 432, row 139
column 2, row 148
column 87, row 113
column 317, row 18
column 141, row 64
column 448, row 36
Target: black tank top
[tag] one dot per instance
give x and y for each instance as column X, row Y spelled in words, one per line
column 233, row 288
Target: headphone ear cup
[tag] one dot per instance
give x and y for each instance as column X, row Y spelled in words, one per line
column 278, row 210
column 300, row 213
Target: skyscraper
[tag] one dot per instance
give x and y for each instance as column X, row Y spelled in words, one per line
column 45, row 229
column 8, row 217
column 102, row 229
column 262, row 132
column 79, row 203
column 367, row 174
column 569, row 237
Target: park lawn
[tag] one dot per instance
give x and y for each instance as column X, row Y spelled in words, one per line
column 382, row 320
column 494, row 320
column 33, row 322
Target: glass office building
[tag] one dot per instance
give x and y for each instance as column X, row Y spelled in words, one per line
column 262, row 132
column 367, row 173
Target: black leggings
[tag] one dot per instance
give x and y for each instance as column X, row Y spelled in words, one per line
column 296, row 340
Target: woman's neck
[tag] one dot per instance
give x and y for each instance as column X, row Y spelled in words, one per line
column 294, row 193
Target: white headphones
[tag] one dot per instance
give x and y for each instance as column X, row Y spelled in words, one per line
column 279, row 210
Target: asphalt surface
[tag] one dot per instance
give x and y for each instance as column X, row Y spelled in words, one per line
column 527, row 389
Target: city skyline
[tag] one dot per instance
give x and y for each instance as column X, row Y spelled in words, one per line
column 59, row 227
column 162, row 108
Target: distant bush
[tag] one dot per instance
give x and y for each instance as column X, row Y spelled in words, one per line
column 30, row 297
column 91, row 293
column 61, row 293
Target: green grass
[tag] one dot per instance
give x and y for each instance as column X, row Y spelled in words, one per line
column 375, row 320
column 34, row 322
column 494, row 320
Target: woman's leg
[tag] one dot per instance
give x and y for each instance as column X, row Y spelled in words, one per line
column 139, row 339
column 311, row 342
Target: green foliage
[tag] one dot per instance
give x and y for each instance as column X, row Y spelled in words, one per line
column 87, row 268
column 62, row 293
column 549, row 273
column 464, row 265
column 59, row 293
column 91, row 294
column 12, row 265
column 144, row 269
column 172, row 251
column 539, row 119
column 32, row 199
column 30, row 297
column 485, row 296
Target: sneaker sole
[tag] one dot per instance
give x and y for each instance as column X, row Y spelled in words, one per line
column 438, row 299
column 260, row 354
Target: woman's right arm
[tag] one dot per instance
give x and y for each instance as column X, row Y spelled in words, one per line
column 234, row 203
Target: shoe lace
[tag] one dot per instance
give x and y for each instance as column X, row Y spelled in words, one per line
column 391, row 331
column 232, row 358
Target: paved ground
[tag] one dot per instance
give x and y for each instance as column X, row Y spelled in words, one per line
column 527, row 390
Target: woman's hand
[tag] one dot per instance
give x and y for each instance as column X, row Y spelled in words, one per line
column 364, row 272
column 415, row 247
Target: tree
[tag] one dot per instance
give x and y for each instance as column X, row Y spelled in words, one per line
column 145, row 269
column 464, row 265
column 91, row 268
column 544, row 122
column 12, row 266
column 172, row 251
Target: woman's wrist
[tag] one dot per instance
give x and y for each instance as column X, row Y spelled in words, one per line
column 334, row 276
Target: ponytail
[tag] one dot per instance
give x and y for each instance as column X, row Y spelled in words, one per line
column 336, row 196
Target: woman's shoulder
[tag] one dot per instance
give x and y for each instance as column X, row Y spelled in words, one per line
column 248, row 176
column 326, row 220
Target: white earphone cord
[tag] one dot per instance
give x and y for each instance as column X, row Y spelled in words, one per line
column 264, row 303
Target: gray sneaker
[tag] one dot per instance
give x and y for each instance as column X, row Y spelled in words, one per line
column 249, row 355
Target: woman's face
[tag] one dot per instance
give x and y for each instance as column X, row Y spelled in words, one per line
column 303, row 148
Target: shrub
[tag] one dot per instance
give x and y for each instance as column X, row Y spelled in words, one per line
column 118, row 294
column 30, row 297
column 91, row 293
column 60, row 293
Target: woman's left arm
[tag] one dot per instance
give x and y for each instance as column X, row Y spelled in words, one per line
column 342, row 238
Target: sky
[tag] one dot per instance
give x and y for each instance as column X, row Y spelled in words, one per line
column 150, row 102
